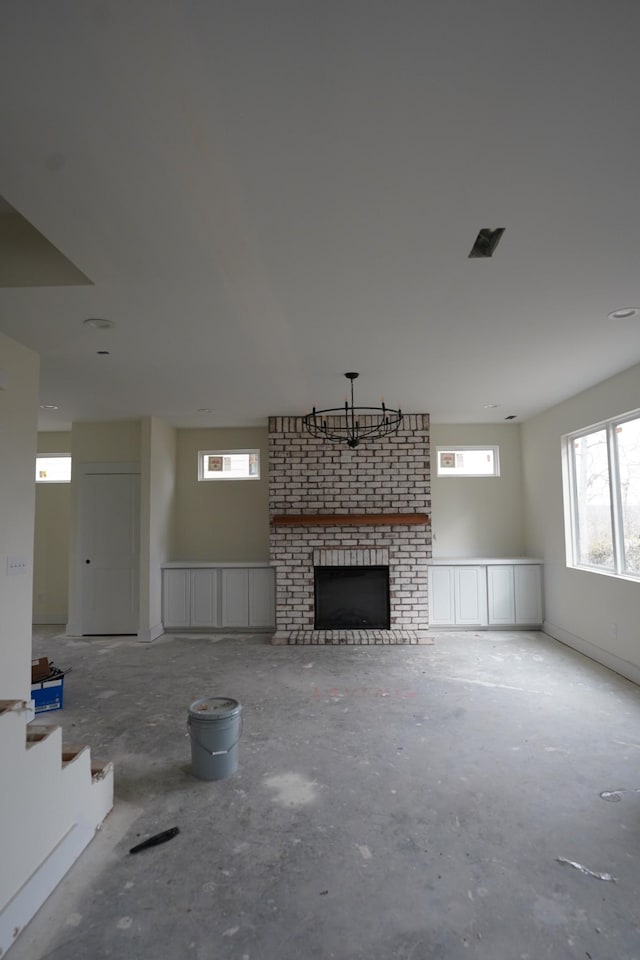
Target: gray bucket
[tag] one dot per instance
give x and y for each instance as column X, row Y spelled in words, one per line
column 214, row 727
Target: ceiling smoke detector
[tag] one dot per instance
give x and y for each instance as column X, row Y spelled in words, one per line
column 99, row 323
column 624, row 313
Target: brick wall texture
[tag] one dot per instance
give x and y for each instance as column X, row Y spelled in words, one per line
column 311, row 476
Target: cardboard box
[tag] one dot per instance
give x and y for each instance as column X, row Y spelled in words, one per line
column 40, row 669
column 49, row 694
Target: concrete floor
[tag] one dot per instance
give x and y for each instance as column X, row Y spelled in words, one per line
column 391, row 803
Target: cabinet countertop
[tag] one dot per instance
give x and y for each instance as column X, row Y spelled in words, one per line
column 208, row 564
column 478, row 561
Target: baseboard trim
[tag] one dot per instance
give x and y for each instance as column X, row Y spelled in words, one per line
column 479, row 628
column 239, row 630
column 24, row 905
column 148, row 636
column 623, row 667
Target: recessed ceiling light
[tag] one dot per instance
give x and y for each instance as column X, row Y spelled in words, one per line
column 491, row 406
column 49, row 406
column 624, row 313
column 512, row 416
column 205, row 410
column 102, row 353
column 99, row 323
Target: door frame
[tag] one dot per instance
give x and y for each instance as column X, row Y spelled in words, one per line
column 78, row 473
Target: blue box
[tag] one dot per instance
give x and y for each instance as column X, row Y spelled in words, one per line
column 48, row 694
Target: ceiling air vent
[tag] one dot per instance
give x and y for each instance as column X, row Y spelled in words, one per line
column 486, row 242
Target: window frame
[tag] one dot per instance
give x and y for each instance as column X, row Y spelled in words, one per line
column 226, row 453
column 456, row 448
column 53, row 456
column 571, row 500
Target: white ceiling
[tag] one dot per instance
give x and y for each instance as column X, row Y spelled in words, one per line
column 266, row 194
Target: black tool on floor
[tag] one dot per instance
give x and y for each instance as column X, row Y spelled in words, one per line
column 156, row 839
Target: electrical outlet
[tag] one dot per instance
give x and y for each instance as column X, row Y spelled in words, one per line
column 614, row 631
column 17, row 566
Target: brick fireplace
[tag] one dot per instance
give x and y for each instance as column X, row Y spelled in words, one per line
column 331, row 506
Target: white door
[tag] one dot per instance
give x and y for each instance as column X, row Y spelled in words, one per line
column 469, row 595
column 235, row 597
column 501, row 595
column 176, row 598
column 109, row 552
column 441, row 590
column 528, row 593
column 204, row 598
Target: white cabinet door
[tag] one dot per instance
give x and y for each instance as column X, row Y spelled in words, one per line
column 528, row 593
column 262, row 611
column 469, row 593
column 441, row 591
column 235, row 597
column 204, row 598
column 176, row 598
column 500, row 595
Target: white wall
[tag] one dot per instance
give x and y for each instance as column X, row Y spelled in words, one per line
column 48, row 812
column 51, row 543
column 581, row 607
column 114, row 441
column 478, row 516
column 158, row 482
column 29, row 826
column 226, row 519
column 18, row 420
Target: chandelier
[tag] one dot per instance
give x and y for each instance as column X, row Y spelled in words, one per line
column 351, row 424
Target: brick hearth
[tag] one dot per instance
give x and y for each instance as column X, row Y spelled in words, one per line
column 333, row 506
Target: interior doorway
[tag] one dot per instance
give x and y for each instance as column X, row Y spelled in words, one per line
column 107, row 556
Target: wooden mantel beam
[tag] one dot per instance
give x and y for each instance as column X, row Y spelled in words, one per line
column 349, row 519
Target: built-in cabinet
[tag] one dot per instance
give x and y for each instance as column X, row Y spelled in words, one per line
column 485, row 593
column 514, row 594
column 457, row 595
column 218, row 596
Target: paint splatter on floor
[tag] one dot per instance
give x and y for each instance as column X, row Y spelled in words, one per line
column 292, row 789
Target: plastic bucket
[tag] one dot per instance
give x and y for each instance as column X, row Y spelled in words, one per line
column 214, row 728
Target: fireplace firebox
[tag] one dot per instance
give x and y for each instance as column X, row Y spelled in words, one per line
column 352, row 598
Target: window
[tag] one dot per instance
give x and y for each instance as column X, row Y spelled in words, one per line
column 53, row 468
column 229, row 465
column 468, row 462
column 602, row 496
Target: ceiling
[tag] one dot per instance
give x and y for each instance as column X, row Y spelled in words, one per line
column 265, row 194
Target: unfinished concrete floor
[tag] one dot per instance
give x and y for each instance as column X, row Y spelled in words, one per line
column 391, row 803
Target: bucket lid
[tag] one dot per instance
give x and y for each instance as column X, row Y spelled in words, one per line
column 214, row 707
